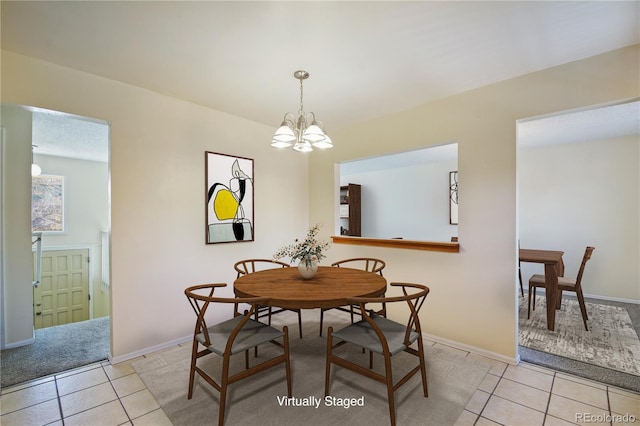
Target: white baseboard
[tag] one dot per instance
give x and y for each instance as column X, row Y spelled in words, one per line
column 20, row 343
column 612, row 299
column 540, row 291
column 151, row 349
column 453, row 344
column 468, row 348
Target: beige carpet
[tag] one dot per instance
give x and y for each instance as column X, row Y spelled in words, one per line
column 452, row 380
column 611, row 341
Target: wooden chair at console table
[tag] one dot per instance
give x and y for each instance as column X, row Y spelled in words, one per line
column 564, row 284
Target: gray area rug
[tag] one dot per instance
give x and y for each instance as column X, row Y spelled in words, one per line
column 56, row 349
column 611, row 341
column 452, row 380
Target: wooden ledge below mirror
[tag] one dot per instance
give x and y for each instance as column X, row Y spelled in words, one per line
column 453, row 247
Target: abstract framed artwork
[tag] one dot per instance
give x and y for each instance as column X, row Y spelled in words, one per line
column 229, row 198
column 453, row 197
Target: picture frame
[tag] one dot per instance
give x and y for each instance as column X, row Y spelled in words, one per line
column 48, row 204
column 229, row 198
column 453, row 197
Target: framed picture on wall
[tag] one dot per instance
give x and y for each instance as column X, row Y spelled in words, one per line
column 453, row 197
column 47, row 203
column 228, row 198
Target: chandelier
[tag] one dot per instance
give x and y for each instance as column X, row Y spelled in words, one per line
column 303, row 132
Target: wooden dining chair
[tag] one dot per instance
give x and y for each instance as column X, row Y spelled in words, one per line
column 369, row 264
column 385, row 337
column 249, row 266
column 564, row 284
column 230, row 337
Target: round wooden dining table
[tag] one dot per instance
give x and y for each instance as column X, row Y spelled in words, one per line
column 329, row 288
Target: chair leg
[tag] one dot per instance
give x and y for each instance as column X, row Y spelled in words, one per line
column 255, row 349
column 321, row 317
column 559, row 300
column 583, row 308
column 351, row 311
column 423, row 368
column 529, row 301
column 287, row 360
column 389, row 377
column 327, row 371
column 192, row 371
column 300, row 322
column 224, row 382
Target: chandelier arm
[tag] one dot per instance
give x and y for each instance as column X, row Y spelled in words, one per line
column 289, row 119
column 320, row 124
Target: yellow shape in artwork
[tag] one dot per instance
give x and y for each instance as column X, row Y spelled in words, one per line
column 225, row 205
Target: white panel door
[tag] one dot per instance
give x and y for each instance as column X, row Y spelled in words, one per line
column 62, row 296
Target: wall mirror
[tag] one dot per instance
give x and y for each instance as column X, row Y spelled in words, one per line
column 405, row 195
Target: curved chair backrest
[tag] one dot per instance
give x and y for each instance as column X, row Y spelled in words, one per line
column 249, row 266
column 229, row 337
column 369, row 264
column 413, row 294
column 587, row 256
column 201, row 296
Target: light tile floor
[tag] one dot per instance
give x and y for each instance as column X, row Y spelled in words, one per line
column 98, row 394
column 104, row 395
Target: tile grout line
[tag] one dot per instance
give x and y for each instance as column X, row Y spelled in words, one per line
column 490, row 395
column 546, row 409
column 55, row 381
column 117, row 395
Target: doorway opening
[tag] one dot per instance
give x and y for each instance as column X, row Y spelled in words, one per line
column 70, row 221
column 578, row 186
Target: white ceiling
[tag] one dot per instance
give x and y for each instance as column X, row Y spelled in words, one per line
column 366, row 59
column 606, row 122
column 64, row 135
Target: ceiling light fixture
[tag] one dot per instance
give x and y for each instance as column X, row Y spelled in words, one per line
column 35, row 169
column 303, row 133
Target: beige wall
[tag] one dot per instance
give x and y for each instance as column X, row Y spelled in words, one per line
column 157, row 193
column 473, row 293
column 157, row 146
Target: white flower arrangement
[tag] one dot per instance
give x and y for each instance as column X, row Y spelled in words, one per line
column 308, row 251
